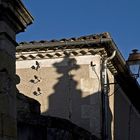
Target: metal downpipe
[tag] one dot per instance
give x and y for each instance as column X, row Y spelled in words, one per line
column 105, row 101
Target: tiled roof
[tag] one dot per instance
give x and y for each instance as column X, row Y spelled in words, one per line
column 83, row 40
column 85, row 45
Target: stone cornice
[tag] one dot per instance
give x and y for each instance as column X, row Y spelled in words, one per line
column 54, row 54
column 15, row 14
column 21, row 56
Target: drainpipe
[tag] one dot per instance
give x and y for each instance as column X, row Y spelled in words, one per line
column 105, row 100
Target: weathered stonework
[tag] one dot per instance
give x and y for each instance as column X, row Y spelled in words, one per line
column 13, row 19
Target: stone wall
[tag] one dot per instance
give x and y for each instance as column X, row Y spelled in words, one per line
column 65, row 87
column 70, row 88
column 127, row 118
column 7, row 97
column 31, row 125
column 50, row 128
column 13, row 19
column 7, row 82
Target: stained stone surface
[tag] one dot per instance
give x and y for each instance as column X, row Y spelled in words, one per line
column 13, row 19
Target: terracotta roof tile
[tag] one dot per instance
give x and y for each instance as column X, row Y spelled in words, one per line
column 63, row 42
column 90, row 37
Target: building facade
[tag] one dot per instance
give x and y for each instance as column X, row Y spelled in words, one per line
column 66, row 77
column 63, row 85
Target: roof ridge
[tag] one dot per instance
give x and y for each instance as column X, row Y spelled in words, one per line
column 86, row 37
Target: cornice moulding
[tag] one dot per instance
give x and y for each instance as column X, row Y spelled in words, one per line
column 14, row 12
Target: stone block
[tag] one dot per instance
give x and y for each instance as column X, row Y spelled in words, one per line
column 4, row 105
column 7, row 138
column 89, row 85
column 5, row 28
column 1, row 125
column 9, row 126
column 85, row 111
column 8, row 63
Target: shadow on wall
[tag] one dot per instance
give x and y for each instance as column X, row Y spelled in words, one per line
column 66, row 93
column 25, row 104
column 67, row 103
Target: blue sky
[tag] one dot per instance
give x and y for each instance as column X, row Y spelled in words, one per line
column 56, row 19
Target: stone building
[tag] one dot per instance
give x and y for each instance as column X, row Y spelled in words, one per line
column 67, row 78
column 64, row 88
column 14, row 18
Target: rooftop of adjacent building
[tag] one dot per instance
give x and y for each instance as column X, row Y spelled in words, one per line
column 102, row 44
